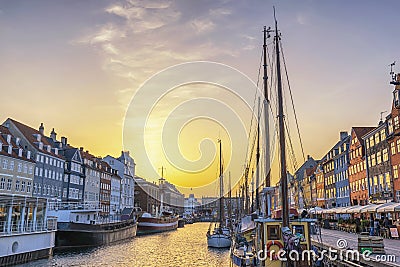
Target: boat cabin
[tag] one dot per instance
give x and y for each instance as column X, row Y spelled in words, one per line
column 271, row 241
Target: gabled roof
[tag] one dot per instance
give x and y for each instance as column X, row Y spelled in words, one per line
column 310, row 171
column 29, row 134
column 14, row 154
column 361, row 131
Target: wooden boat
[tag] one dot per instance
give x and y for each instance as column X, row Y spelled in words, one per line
column 148, row 224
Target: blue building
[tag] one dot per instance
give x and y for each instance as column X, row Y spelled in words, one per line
column 341, row 163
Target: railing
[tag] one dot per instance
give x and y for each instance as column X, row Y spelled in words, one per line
column 29, row 227
column 95, row 205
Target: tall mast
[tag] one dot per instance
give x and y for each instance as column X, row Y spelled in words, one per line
column 246, row 192
column 284, row 190
column 258, row 160
column 221, row 185
column 266, row 113
column 230, row 202
column 266, row 127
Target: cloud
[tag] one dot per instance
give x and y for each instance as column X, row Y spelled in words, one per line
column 218, row 12
column 110, row 49
column 301, row 19
column 202, row 25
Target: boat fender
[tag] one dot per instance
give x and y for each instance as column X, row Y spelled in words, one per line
column 273, row 243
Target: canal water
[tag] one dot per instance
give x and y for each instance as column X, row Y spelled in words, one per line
column 186, row 247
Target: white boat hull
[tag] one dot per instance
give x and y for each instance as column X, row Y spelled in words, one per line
column 219, row 241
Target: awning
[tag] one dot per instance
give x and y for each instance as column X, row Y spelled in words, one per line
column 342, row 210
column 353, row 209
column 330, row 211
column 316, row 210
column 388, row 207
column 369, row 208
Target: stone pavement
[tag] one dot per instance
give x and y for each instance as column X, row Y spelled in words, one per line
column 331, row 237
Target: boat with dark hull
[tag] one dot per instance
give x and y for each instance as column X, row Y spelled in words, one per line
column 72, row 235
column 148, row 224
column 80, row 226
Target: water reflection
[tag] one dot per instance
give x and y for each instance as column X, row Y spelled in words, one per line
column 184, row 247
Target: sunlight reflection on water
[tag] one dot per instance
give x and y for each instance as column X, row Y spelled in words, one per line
column 184, row 247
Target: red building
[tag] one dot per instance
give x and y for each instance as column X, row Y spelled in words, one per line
column 394, row 137
column 357, row 168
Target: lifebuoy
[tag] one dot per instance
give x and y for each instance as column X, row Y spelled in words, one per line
column 273, row 243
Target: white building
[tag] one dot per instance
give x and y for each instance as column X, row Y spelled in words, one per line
column 115, row 200
column 191, row 204
column 125, row 165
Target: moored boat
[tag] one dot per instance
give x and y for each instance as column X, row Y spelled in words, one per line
column 218, row 235
column 26, row 232
column 163, row 221
column 148, row 224
column 81, row 226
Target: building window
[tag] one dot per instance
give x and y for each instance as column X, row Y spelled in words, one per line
column 371, row 141
column 393, row 148
column 383, row 135
column 28, row 187
column 390, row 127
column 9, row 184
column 11, row 167
column 25, row 168
column 23, row 186
column 30, row 169
column 2, row 183
column 396, row 122
column 5, row 163
column 19, row 167
column 373, row 160
column 385, row 155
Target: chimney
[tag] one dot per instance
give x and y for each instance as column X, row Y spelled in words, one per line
column 53, row 135
column 308, row 157
column 343, row 135
column 81, row 148
column 64, row 140
column 41, row 129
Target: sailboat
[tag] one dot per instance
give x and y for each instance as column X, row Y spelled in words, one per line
column 272, row 234
column 219, row 236
column 279, row 233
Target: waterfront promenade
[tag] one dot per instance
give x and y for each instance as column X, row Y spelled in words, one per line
column 330, row 237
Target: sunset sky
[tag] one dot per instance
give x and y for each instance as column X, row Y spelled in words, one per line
column 76, row 66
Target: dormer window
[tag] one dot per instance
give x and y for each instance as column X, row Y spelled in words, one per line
column 28, row 155
column 20, row 152
column 1, row 146
column 9, row 149
column 56, row 151
column 40, row 145
column 38, row 137
column 17, row 141
column 8, row 138
column 48, row 148
column 396, row 98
